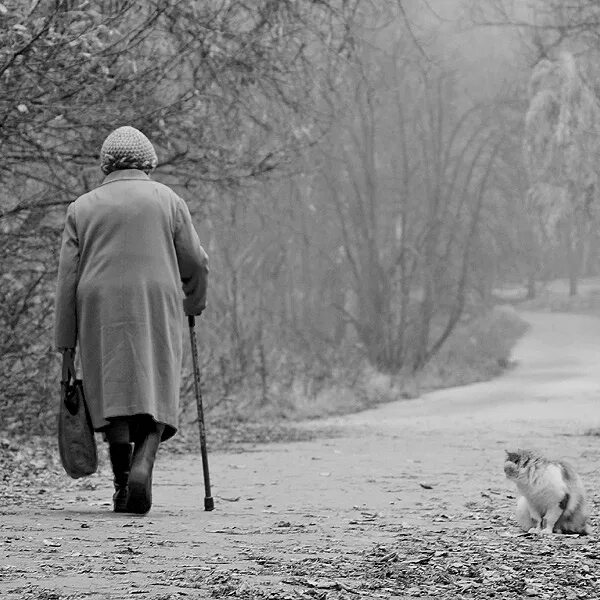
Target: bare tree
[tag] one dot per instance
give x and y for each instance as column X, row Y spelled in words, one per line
column 407, row 177
column 229, row 92
column 562, row 152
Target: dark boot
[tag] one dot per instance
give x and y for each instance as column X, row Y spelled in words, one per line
column 139, row 499
column 120, row 458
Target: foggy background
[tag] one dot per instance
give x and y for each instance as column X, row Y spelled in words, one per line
column 370, row 179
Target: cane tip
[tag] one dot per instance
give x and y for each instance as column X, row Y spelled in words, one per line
column 209, row 503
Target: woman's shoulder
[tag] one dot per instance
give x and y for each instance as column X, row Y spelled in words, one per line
column 165, row 193
column 163, row 189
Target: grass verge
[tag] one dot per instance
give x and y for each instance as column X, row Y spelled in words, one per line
column 478, row 350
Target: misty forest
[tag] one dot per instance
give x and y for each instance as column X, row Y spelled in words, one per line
column 363, row 176
column 391, row 193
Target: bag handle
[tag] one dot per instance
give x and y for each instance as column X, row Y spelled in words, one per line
column 68, row 366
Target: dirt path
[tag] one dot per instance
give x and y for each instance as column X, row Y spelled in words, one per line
column 408, row 501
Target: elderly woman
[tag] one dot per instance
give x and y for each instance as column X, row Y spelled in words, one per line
column 130, row 256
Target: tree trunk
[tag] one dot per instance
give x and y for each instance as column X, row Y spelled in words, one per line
column 573, row 266
column 531, row 290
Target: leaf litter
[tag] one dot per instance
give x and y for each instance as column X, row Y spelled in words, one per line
column 474, row 553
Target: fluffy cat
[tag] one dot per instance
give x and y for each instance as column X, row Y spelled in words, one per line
column 552, row 498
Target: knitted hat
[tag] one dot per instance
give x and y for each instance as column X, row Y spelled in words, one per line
column 127, row 148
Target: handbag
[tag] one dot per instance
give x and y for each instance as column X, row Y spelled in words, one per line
column 76, row 441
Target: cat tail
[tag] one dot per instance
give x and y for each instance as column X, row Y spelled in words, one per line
column 585, row 529
column 575, row 520
column 576, row 523
column 579, row 529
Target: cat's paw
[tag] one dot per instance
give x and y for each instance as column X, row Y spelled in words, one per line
column 535, row 530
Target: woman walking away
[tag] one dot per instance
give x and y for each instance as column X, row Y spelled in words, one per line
column 129, row 250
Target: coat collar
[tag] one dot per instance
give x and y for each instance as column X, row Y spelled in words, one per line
column 122, row 174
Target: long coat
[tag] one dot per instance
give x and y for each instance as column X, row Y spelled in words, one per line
column 129, row 257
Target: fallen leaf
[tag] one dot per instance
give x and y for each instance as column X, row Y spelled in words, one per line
column 324, row 585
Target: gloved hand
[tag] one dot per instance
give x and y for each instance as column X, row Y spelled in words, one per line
column 68, row 363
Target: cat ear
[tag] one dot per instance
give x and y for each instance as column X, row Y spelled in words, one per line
column 512, row 456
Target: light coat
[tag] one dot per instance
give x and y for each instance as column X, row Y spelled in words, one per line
column 130, row 255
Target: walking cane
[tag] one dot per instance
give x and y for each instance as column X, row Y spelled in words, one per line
column 209, row 503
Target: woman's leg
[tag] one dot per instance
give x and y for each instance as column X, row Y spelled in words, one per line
column 146, row 433
column 118, row 436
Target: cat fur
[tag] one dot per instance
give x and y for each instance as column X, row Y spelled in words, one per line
column 551, row 495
